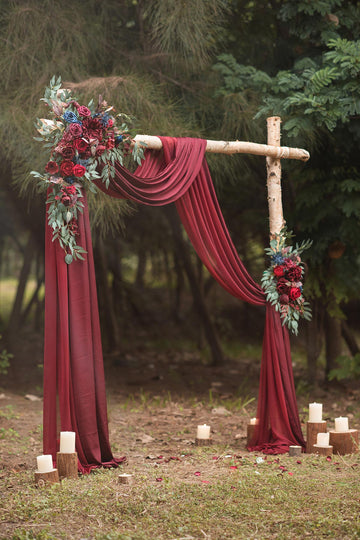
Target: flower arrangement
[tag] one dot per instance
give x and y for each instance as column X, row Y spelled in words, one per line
column 283, row 280
column 85, row 143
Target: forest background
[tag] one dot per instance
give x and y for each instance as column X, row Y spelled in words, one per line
column 202, row 68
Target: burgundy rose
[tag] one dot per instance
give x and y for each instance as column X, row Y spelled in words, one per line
column 75, row 130
column 79, row 171
column 100, row 149
column 52, row 167
column 294, row 293
column 66, row 168
column 279, row 271
column 294, row 273
column 68, row 152
column 92, row 124
column 81, row 145
column 282, row 286
column 290, row 263
column 83, row 111
column 284, row 299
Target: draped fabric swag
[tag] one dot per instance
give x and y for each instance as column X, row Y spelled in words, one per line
column 73, row 367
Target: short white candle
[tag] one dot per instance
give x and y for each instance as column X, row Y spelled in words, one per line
column 342, row 424
column 45, row 463
column 315, row 412
column 322, row 439
column 67, row 442
column 253, row 421
column 203, row 432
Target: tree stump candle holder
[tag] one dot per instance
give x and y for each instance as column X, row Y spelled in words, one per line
column 295, row 451
column 67, row 465
column 125, row 478
column 45, row 478
column 323, row 450
column 345, row 442
column 203, row 442
column 312, row 429
column 250, row 433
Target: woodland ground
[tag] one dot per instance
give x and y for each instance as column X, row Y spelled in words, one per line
column 157, row 396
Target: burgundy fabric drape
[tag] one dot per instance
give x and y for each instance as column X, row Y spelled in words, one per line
column 73, row 362
column 162, row 179
column 73, row 366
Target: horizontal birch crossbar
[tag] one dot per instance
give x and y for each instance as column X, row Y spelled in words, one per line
column 236, row 147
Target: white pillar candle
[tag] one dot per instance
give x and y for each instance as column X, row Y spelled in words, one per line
column 45, row 463
column 253, row 421
column 315, row 412
column 322, row 439
column 203, row 432
column 342, row 424
column 67, row 442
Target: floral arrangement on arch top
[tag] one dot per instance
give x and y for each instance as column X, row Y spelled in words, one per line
column 283, row 281
column 85, row 142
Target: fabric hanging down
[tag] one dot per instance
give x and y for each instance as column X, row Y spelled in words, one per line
column 73, row 365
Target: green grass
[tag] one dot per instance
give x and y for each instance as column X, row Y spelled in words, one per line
column 8, row 289
column 278, row 498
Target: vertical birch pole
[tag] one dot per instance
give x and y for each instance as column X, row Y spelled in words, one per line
column 273, row 167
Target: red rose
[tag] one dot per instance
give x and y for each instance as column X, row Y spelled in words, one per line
column 68, row 152
column 284, row 299
column 81, row 145
column 110, row 143
column 282, row 286
column 83, row 111
column 279, row 271
column 294, row 273
column 100, row 149
column 110, row 123
column 75, row 130
column 294, row 293
column 71, row 190
column 79, row 171
column 52, row 167
column 66, row 168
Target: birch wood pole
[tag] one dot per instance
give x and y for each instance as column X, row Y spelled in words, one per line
column 236, row 147
column 273, row 167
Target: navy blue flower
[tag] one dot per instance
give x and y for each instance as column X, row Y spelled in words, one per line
column 70, row 117
column 277, row 258
column 118, row 139
column 83, row 162
column 69, row 179
column 104, row 119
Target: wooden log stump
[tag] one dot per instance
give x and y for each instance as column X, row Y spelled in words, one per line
column 345, row 442
column 67, row 465
column 295, row 451
column 323, row 450
column 312, row 429
column 126, row 478
column 44, row 478
column 203, row 442
column 250, row 433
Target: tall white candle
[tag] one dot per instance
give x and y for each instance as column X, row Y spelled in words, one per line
column 253, row 421
column 203, row 432
column 342, row 424
column 322, row 439
column 45, row 463
column 67, row 442
column 315, row 412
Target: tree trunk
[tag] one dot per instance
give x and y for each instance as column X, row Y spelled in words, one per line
column 15, row 316
column 106, row 300
column 184, row 255
column 349, row 339
column 332, row 342
column 314, row 340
